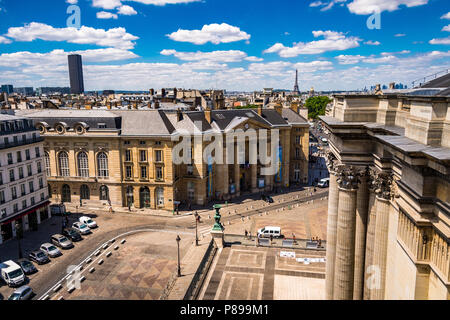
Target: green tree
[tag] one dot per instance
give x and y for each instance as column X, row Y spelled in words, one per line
column 317, row 106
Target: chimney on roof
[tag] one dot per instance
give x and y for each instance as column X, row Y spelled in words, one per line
column 392, row 85
column 88, row 106
column 156, row 104
column 278, row 108
column 152, row 92
column 135, row 106
column 208, row 114
column 163, row 92
column 295, row 107
column 108, row 105
column 259, row 110
column 175, row 91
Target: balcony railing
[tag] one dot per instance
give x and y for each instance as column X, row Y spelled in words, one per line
column 20, row 143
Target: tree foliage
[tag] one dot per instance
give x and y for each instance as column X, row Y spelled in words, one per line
column 317, row 106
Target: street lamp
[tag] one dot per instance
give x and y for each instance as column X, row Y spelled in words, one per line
column 178, row 246
column 196, row 228
column 19, row 234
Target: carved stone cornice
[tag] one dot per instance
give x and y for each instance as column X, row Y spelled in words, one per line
column 347, row 177
column 331, row 162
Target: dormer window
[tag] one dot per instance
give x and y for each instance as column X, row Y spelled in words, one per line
column 102, row 125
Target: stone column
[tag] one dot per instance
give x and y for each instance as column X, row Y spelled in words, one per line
column 254, row 177
column 237, row 172
column 383, row 192
column 333, row 201
column 226, row 181
column 362, row 203
column 285, row 136
column 345, row 239
column 371, row 220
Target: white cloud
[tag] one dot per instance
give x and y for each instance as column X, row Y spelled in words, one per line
column 106, row 15
column 164, row 2
column 106, row 4
column 72, row 1
column 313, row 66
column 440, row 41
column 349, row 59
column 372, row 43
column 254, row 59
column 398, row 35
column 214, row 33
column 446, row 16
column 446, row 28
column 4, row 40
column 116, row 37
column 59, row 57
column 316, row 4
column 126, row 10
column 365, row 7
column 217, row 56
column 333, row 41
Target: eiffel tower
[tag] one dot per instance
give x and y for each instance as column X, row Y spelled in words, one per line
column 296, row 90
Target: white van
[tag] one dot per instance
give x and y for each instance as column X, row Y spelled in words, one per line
column 266, row 232
column 11, row 273
column 324, row 183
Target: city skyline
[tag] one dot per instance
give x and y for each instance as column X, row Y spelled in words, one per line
column 137, row 45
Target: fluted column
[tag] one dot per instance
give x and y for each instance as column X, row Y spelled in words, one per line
column 333, row 201
column 362, row 203
column 370, row 236
column 381, row 231
column 345, row 239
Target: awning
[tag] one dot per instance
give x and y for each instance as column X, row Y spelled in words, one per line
column 25, row 213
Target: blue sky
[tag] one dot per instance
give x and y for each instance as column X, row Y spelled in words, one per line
column 234, row 45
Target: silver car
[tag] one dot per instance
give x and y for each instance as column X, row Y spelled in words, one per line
column 61, row 241
column 50, row 250
column 81, row 228
column 22, row 293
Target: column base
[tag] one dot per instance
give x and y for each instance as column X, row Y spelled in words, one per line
column 218, row 238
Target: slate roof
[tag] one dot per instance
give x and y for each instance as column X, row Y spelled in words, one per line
column 145, row 123
column 293, row 118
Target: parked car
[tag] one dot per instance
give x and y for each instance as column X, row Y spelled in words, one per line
column 39, row 257
column 268, row 199
column 89, row 222
column 324, row 183
column 50, row 250
column 72, row 234
column 267, row 232
column 81, row 228
column 61, row 241
column 27, row 266
column 11, row 273
column 22, row 293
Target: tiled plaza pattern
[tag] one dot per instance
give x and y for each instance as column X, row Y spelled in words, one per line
column 246, row 273
column 137, row 271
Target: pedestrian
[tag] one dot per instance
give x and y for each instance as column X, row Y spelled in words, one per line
column 249, row 235
column 246, row 233
column 320, row 243
column 271, row 238
column 293, row 236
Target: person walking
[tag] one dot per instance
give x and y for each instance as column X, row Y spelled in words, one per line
column 246, row 233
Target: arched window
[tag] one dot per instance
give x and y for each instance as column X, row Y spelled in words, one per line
column 63, row 161
column 144, row 196
column 160, row 196
column 104, row 193
column 83, row 164
column 47, row 164
column 84, row 192
column 65, row 194
column 102, row 163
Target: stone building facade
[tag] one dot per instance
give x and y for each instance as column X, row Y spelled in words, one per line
column 389, row 197
column 124, row 157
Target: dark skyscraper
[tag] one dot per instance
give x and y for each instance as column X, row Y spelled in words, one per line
column 76, row 74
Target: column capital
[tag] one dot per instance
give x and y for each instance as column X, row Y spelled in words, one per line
column 331, row 162
column 383, row 184
column 347, row 177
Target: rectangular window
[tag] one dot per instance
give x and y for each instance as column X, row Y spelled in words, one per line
column 1, row 178
column 34, row 136
column 41, row 183
column 24, row 204
column 30, row 170
column 22, row 190
column 126, row 142
column 158, row 155
column 297, row 139
column 21, row 173
column 2, row 197
column 3, row 213
column 297, row 153
column 128, row 155
column 190, row 170
column 142, row 143
column 14, row 192
column 143, row 155
column 6, row 141
column 16, row 207
column 32, row 201
column 16, row 140
column 10, row 158
column 39, row 167
column 159, row 173
column 129, row 172
column 38, row 152
column 24, row 138
column 42, row 196
column 27, row 154
column 11, row 175
column 102, row 125
column 144, row 172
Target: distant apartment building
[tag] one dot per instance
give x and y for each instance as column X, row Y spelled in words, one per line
column 52, row 90
column 23, row 183
column 26, row 91
column 76, row 74
column 7, row 88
